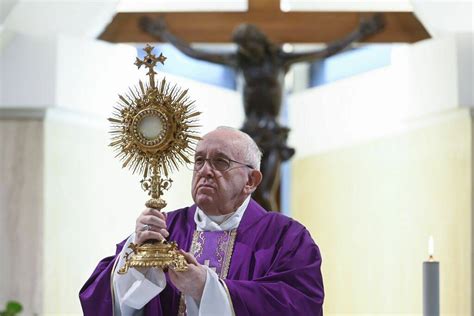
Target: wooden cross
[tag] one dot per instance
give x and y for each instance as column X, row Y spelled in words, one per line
column 280, row 27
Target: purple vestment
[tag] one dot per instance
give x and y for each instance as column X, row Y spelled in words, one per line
column 274, row 268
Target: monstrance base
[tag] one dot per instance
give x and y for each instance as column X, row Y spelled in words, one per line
column 162, row 255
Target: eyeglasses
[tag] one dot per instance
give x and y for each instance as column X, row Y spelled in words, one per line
column 217, row 163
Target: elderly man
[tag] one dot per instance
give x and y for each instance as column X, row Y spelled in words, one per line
column 242, row 260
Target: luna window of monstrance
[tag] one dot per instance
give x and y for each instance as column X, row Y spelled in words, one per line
column 153, row 133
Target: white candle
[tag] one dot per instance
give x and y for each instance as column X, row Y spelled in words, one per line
column 431, row 247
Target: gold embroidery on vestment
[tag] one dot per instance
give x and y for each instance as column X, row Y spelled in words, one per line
column 228, row 255
column 227, row 248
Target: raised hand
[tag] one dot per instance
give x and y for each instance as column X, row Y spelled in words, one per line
column 151, row 224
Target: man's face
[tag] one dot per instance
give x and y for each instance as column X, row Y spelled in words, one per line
column 220, row 192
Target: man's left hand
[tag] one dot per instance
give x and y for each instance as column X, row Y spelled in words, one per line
column 192, row 281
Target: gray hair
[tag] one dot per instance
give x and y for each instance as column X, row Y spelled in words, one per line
column 253, row 154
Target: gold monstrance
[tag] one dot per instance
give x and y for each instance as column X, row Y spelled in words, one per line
column 152, row 131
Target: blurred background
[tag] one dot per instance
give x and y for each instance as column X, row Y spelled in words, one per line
column 383, row 134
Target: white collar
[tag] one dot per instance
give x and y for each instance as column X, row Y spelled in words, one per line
column 206, row 223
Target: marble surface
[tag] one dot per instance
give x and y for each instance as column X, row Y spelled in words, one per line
column 21, row 209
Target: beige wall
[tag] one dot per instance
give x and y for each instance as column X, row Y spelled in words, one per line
column 371, row 207
column 21, row 209
column 90, row 205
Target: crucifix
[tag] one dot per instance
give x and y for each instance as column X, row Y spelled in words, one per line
column 262, row 62
column 263, row 66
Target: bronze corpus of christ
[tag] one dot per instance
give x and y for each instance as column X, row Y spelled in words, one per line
column 263, row 66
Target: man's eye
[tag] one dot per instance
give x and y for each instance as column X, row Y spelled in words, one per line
column 198, row 160
column 220, row 162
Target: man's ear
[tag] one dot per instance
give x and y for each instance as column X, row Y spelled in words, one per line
column 254, row 179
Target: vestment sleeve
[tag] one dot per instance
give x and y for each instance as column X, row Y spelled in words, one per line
column 292, row 285
column 130, row 291
column 137, row 287
column 96, row 294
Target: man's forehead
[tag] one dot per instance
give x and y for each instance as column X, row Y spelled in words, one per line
column 218, row 144
column 213, row 152
column 215, row 146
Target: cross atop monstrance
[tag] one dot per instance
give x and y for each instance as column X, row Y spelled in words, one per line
column 150, row 60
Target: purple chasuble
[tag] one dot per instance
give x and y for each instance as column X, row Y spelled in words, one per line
column 275, row 267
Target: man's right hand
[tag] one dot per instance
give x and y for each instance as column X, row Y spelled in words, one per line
column 151, row 224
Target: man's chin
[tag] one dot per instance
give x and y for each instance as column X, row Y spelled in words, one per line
column 204, row 201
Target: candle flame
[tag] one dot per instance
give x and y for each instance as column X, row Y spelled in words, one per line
column 431, row 246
